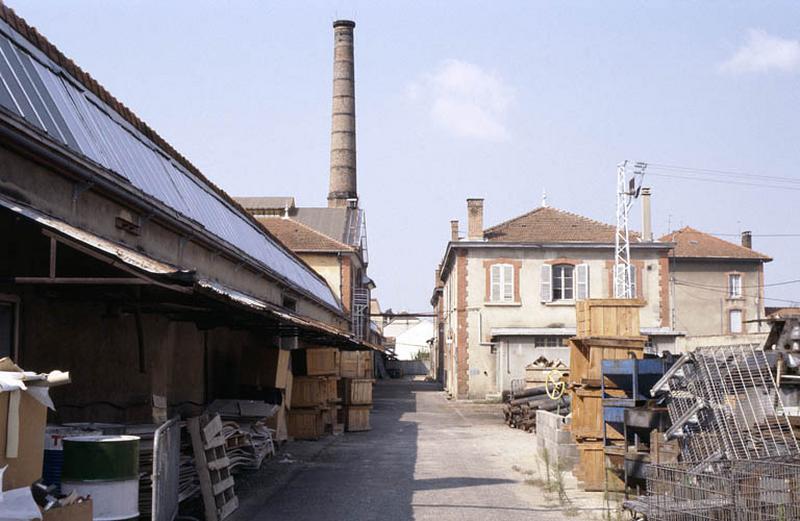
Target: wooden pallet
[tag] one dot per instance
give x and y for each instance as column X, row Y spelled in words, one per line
column 216, row 481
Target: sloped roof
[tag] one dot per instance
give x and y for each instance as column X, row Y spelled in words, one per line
column 265, row 203
column 300, row 237
column 694, row 244
column 551, row 225
column 329, row 221
column 45, row 90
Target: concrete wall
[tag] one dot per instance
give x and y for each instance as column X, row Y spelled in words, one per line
column 701, row 300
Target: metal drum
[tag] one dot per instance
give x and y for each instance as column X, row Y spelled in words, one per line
column 107, row 468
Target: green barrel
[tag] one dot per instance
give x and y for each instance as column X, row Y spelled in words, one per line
column 101, row 458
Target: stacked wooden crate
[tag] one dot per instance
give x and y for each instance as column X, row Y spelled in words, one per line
column 314, row 396
column 607, row 329
column 356, row 389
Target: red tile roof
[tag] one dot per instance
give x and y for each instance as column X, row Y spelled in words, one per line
column 551, row 225
column 694, row 244
column 301, row 238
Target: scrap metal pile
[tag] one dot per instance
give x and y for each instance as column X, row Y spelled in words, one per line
column 740, row 459
column 541, row 390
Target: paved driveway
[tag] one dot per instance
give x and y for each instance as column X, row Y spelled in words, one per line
column 426, row 458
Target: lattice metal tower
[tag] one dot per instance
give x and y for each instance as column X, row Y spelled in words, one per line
column 627, row 191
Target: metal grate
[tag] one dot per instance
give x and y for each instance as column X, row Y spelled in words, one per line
column 744, row 490
column 724, row 404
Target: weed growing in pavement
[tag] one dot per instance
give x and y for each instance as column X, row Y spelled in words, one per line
column 545, row 455
column 571, row 512
column 516, row 468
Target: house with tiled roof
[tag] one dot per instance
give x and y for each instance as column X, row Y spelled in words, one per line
column 339, row 263
column 717, row 286
column 506, row 294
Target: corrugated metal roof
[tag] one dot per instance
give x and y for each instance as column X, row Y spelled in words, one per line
column 37, row 90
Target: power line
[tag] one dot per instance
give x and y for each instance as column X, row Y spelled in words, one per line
column 759, row 235
column 773, row 284
column 723, row 181
column 713, row 290
column 723, row 173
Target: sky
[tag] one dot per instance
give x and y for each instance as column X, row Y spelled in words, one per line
column 500, row 100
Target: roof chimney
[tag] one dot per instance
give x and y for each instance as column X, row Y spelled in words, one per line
column 343, row 126
column 647, row 223
column 454, row 230
column 475, row 219
column 747, row 239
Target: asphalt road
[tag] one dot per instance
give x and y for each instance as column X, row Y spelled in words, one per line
column 426, row 458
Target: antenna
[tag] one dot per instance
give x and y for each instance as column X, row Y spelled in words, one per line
column 628, row 189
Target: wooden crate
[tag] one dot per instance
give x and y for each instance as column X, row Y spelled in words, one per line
column 357, row 418
column 591, row 469
column 305, row 424
column 586, row 356
column 357, row 391
column 587, row 414
column 287, row 393
column 308, row 391
column 331, row 389
column 322, row 361
column 277, row 422
column 355, row 364
column 608, row 317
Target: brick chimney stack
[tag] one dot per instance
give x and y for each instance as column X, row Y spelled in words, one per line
column 343, row 126
column 454, row 230
column 747, row 239
column 474, row 219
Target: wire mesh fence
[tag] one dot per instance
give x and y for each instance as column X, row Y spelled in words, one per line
column 744, row 490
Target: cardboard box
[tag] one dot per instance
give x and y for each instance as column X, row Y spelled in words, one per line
column 26, row 466
column 76, row 512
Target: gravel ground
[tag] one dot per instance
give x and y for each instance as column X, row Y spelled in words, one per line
column 426, row 458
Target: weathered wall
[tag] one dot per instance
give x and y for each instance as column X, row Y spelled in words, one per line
column 529, row 311
column 94, row 212
column 101, row 353
column 701, row 300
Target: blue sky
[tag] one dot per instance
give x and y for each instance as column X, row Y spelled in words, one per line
column 499, row 100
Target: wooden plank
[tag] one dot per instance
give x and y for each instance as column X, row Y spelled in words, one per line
column 223, row 485
column 213, row 428
column 218, row 464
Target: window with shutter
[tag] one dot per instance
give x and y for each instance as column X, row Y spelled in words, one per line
column 508, row 283
column 582, row 281
column 735, row 320
column 502, row 283
column 734, row 285
column 546, row 283
column 634, row 282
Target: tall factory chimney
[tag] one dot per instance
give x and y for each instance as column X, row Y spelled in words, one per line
column 343, row 127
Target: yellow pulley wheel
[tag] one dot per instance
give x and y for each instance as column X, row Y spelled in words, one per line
column 554, row 385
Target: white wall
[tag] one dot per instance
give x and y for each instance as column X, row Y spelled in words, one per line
column 409, row 337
